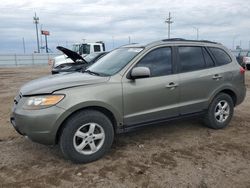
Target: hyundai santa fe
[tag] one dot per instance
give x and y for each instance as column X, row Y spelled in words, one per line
column 132, row 86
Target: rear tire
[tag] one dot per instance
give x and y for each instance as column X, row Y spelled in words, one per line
column 220, row 112
column 86, row 137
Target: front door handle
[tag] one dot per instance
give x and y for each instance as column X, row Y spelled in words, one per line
column 171, row 85
column 217, row 77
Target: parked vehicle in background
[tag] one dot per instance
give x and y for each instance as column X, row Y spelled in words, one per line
column 79, row 65
column 243, row 58
column 82, row 49
column 246, row 60
column 130, row 87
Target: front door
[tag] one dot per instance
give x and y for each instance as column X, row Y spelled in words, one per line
column 153, row 98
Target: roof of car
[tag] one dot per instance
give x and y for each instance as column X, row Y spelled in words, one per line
column 171, row 40
column 187, row 40
column 134, row 45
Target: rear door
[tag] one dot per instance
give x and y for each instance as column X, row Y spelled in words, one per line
column 153, row 98
column 196, row 78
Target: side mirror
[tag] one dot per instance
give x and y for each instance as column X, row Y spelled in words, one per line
column 139, row 72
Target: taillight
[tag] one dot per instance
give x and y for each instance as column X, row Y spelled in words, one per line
column 242, row 70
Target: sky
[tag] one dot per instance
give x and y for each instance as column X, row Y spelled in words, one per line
column 115, row 21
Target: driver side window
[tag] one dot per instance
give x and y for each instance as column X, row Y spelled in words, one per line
column 159, row 61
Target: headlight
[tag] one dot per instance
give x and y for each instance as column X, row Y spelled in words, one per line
column 42, row 101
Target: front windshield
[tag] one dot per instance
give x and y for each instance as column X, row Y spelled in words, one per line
column 75, row 48
column 114, row 61
column 84, row 49
column 91, row 56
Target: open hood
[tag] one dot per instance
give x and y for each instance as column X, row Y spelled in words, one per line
column 71, row 54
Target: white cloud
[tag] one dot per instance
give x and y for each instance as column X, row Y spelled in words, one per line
column 142, row 20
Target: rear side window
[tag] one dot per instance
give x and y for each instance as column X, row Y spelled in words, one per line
column 159, row 61
column 209, row 61
column 97, row 48
column 221, row 57
column 191, row 58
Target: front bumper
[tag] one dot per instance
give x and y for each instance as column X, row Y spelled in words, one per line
column 38, row 125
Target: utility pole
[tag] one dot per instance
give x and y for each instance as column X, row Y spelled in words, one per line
column 24, row 46
column 234, row 41
column 197, row 32
column 36, row 21
column 41, row 37
column 169, row 22
column 113, row 42
column 129, row 39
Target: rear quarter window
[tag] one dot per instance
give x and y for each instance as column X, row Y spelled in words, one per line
column 221, row 57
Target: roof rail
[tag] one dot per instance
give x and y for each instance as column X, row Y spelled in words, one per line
column 174, row 39
column 186, row 40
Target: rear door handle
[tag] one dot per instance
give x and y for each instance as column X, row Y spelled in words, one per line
column 171, row 85
column 217, row 77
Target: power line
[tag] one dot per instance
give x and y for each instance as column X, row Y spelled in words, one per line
column 169, row 22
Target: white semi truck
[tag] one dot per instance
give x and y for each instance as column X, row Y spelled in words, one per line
column 82, row 49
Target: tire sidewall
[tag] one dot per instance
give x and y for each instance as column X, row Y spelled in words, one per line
column 213, row 122
column 73, row 124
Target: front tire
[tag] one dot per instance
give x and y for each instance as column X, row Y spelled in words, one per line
column 220, row 112
column 86, row 136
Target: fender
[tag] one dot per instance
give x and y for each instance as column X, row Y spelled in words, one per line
column 228, row 86
column 87, row 104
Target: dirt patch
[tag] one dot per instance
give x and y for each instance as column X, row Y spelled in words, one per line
column 175, row 154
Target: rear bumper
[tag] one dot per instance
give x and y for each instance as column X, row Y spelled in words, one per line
column 241, row 95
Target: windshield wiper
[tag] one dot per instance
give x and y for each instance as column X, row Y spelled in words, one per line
column 91, row 72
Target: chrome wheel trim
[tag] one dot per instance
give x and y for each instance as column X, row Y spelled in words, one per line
column 89, row 138
column 222, row 111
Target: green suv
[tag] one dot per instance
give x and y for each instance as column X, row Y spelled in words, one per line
column 132, row 86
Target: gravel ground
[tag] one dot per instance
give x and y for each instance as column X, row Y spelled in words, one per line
column 181, row 153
